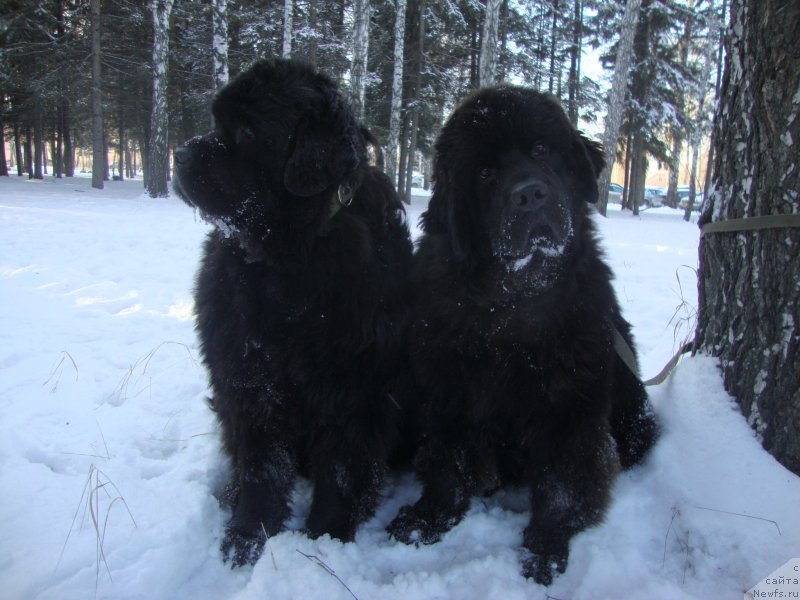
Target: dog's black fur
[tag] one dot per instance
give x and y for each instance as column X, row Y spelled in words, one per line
column 300, row 301
column 513, row 339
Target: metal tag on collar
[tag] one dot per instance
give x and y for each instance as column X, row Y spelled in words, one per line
column 344, row 194
column 344, row 197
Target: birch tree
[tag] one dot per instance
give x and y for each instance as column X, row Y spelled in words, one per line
column 749, row 281
column 219, row 42
column 397, row 89
column 288, row 27
column 358, row 66
column 158, row 156
column 491, row 21
column 616, row 100
column 98, row 158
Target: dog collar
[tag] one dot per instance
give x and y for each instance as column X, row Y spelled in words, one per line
column 343, row 197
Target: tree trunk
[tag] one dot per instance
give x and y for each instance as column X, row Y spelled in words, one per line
column 674, row 167
column 397, row 89
column 3, row 163
column 98, row 162
column 106, row 173
column 58, row 138
column 158, row 170
column 699, row 124
column 288, row 28
column 749, row 281
column 626, row 186
column 18, row 149
column 219, row 42
column 403, row 159
column 358, row 68
column 313, row 25
column 28, row 151
column 639, row 172
column 720, row 19
column 553, row 36
column 69, row 150
column 121, row 157
column 413, row 124
column 38, row 144
column 616, row 101
column 575, row 52
column 488, row 64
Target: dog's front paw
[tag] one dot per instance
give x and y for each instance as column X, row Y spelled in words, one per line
column 412, row 526
column 242, row 548
column 543, row 569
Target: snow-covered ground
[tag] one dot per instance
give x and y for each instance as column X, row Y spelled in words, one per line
column 109, row 458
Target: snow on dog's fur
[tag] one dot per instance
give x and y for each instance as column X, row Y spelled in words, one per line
column 513, row 337
column 300, row 301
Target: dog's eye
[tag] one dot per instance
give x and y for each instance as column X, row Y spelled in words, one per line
column 244, row 134
column 539, row 150
column 485, row 173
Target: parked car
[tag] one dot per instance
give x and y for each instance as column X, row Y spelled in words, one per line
column 654, row 196
column 615, row 192
column 683, row 198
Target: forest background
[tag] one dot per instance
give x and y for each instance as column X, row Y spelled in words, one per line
column 133, row 79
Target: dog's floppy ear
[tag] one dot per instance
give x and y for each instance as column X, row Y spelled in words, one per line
column 596, row 154
column 443, row 214
column 596, row 157
column 308, row 169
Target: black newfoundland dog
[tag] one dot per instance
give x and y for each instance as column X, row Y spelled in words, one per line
column 516, row 319
column 299, row 299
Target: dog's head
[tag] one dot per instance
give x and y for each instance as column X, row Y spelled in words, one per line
column 512, row 178
column 284, row 141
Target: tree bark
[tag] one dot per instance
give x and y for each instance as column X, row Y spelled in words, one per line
column 553, row 36
column 575, row 52
column 3, row 163
column 18, row 149
column 121, row 157
column 219, row 42
column 66, row 134
column 616, row 101
column 157, row 173
column 413, row 121
column 488, row 64
column 397, row 89
column 98, row 162
column 288, row 28
column 38, row 144
column 749, row 281
column 358, row 68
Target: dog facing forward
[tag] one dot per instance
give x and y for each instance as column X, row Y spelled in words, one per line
column 515, row 322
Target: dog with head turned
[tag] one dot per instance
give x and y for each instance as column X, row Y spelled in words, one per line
column 300, row 300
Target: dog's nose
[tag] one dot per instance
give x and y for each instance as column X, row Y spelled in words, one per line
column 530, row 195
column 181, row 155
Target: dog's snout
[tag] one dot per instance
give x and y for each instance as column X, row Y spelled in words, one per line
column 530, row 195
column 182, row 155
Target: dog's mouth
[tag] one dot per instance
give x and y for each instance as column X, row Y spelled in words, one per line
column 519, row 244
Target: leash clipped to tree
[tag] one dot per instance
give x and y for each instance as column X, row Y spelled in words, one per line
column 623, row 349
